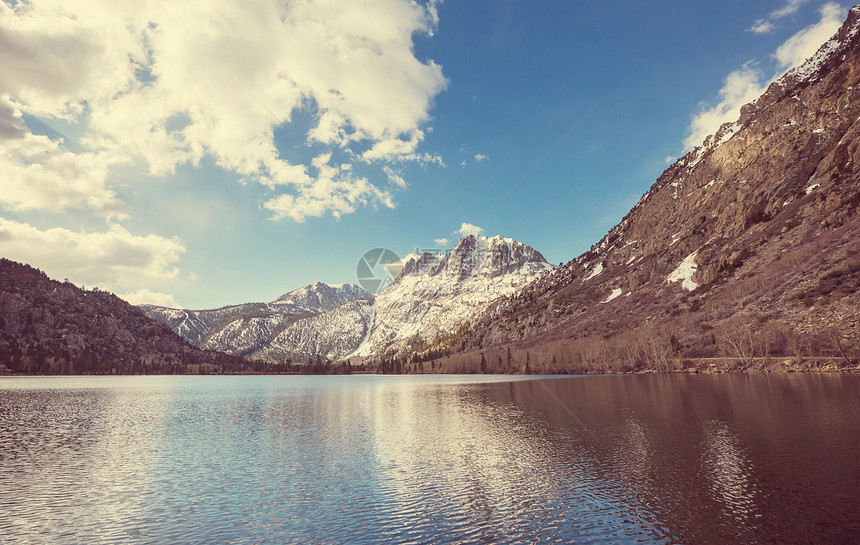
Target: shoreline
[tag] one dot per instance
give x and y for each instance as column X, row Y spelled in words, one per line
column 683, row 366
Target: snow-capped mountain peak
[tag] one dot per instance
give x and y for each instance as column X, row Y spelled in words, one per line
column 438, row 295
column 320, row 297
column 478, row 255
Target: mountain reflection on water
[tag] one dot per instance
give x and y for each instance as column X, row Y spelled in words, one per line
column 626, row 459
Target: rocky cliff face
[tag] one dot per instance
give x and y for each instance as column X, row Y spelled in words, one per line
column 250, row 329
column 55, row 327
column 756, row 229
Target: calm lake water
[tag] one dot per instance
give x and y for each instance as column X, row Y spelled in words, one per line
column 366, row 459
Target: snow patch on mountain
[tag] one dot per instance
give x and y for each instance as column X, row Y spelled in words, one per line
column 615, row 294
column 594, row 272
column 684, row 273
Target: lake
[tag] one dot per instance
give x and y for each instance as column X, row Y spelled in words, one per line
column 430, row 459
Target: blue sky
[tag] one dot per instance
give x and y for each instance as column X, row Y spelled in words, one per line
column 207, row 156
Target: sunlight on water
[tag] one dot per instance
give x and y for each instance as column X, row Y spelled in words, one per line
column 363, row 459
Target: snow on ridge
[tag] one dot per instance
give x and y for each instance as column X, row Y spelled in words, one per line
column 814, row 63
column 506, row 240
column 363, row 347
column 684, row 273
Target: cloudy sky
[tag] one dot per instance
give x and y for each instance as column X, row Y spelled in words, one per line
column 199, row 154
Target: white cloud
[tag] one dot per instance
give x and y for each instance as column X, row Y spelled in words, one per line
column 767, row 24
column 762, row 26
column 39, row 174
column 172, row 82
column 394, row 177
column 114, row 259
column 478, row 157
column 748, row 83
column 398, row 149
column 805, row 43
column 336, row 190
column 790, row 8
column 148, row 297
column 740, row 87
column 441, row 241
column 467, row 229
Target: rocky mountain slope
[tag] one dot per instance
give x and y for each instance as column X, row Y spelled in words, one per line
column 247, row 329
column 746, row 248
column 330, row 335
column 55, row 327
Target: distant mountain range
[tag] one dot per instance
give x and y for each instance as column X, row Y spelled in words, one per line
column 432, row 298
column 256, row 330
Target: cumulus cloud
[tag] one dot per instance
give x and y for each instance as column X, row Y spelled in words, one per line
column 39, row 174
column 149, row 297
column 805, row 43
column 113, row 259
column 480, row 157
column 740, row 87
column 467, row 229
column 335, row 190
column 767, row 24
column 168, row 83
column 748, row 82
column 400, row 149
column 441, row 241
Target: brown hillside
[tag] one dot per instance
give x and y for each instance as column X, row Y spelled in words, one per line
column 55, row 327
